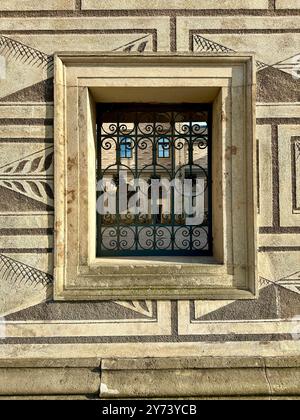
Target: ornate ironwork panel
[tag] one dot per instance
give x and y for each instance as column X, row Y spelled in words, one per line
column 154, row 180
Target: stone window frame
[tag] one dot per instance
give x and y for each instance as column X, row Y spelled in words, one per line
column 226, row 80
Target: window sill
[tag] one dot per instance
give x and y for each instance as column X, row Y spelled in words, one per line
column 158, row 261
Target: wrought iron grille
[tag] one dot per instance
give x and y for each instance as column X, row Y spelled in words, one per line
column 148, row 144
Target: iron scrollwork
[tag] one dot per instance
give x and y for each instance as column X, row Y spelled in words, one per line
column 154, row 142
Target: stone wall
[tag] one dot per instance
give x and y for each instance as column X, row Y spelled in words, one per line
column 30, row 33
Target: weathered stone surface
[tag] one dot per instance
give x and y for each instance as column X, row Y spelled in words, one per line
column 64, row 363
column 284, row 381
column 7, row 5
column 184, row 363
column 48, row 381
column 174, row 4
column 287, row 4
column 200, row 377
column 276, row 86
column 183, row 383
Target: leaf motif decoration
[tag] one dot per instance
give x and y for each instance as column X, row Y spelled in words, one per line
column 39, row 190
column 35, row 189
column 48, row 190
column 20, row 186
column 48, row 161
column 21, row 166
column 37, row 163
column 144, row 307
column 42, row 164
column 7, row 184
column 142, row 47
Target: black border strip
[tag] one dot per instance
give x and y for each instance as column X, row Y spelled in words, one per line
column 279, row 249
column 26, row 250
column 27, row 231
column 294, row 140
column 192, row 339
column 27, row 121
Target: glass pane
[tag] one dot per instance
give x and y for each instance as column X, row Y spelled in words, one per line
column 163, row 148
column 126, row 148
column 153, row 180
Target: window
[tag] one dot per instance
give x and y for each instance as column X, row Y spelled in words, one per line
column 111, row 131
column 125, row 148
column 163, row 148
column 156, row 207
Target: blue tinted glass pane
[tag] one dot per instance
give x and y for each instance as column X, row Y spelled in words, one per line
column 163, row 148
column 125, row 149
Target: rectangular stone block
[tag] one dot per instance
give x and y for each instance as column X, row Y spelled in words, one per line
column 284, row 381
column 289, row 169
column 287, row 4
column 173, row 4
column 265, row 180
column 16, row 5
column 27, row 221
column 26, row 131
column 16, row 242
column 26, row 110
column 49, row 381
column 199, row 377
column 170, row 363
column 106, row 34
column 183, row 383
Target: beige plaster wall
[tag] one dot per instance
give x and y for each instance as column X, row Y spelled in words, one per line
column 30, row 33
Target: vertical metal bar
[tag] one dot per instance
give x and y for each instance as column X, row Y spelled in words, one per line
column 155, row 159
column 191, row 161
column 118, row 159
column 136, row 171
column 173, row 170
column 210, row 180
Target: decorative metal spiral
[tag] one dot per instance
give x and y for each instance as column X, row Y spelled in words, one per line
column 154, row 142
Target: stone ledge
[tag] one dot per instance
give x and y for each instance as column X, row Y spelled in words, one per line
column 37, row 376
column 49, row 381
column 200, row 377
column 186, row 377
column 203, row 362
column 92, row 362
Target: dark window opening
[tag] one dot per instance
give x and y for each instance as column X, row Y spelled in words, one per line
column 161, row 197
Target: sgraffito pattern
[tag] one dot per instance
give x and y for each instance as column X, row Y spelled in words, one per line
column 31, row 176
column 205, row 45
column 17, row 272
column 21, row 52
column 28, row 39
